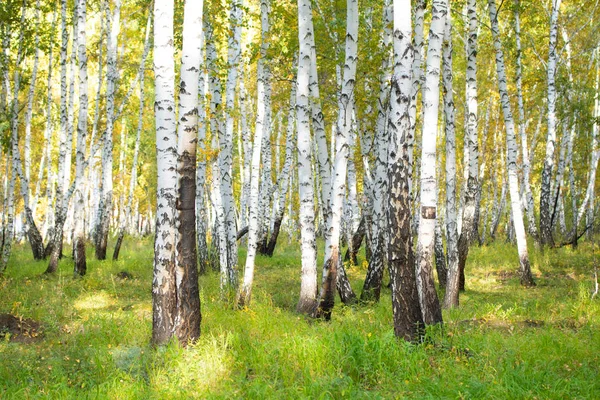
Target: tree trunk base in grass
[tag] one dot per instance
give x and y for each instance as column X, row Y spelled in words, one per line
column 343, row 286
column 115, row 256
column 79, row 257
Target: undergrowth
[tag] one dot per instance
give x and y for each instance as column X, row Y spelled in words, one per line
column 504, row 341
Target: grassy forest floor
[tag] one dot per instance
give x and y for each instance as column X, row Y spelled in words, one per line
column 503, row 342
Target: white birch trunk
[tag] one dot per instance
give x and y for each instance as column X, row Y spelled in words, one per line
column 60, row 198
column 29, row 112
column 82, row 126
column 588, row 201
column 338, row 189
column 163, row 284
column 201, row 187
column 318, row 125
column 546, row 182
column 187, row 316
column 417, row 78
column 471, row 145
column 124, row 222
column 452, row 283
column 308, row 244
column 511, row 151
column 427, row 295
column 226, row 141
column 374, row 277
column 105, row 209
column 528, row 203
column 261, row 130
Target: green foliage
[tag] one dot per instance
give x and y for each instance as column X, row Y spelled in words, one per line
column 503, row 342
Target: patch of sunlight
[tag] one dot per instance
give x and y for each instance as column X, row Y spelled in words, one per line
column 197, row 369
column 93, row 301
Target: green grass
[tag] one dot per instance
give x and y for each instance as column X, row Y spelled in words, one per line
column 503, row 342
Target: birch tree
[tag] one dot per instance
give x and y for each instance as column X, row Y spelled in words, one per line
column 511, row 152
column 452, row 284
column 163, row 284
column 372, row 284
column 82, row 126
column 176, row 302
column 259, row 132
column 187, row 318
column 105, row 207
column 226, row 140
column 471, row 144
column 425, row 244
column 545, row 191
column 528, row 201
column 283, row 179
column 338, row 189
column 54, row 248
column 134, row 164
column 408, row 320
column 308, row 245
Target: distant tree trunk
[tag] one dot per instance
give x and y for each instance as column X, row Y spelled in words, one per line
column 82, row 126
column 283, row 178
column 511, row 150
column 408, row 320
column 261, row 129
column 545, row 192
column 528, row 203
column 133, row 175
column 417, row 79
column 308, row 284
column 430, row 305
column 318, row 125
column 373, row 280
column 228, row 276
column 452, row 282
column 247, row 152
column 332, row 243
column 105, row 208
column 357, row 239
column 54, row 247
column 226, row 140
column 471, row 187
column 440, row 255
column 29, row 113
column 201, row 187
column 588, row 201
column 15, row 160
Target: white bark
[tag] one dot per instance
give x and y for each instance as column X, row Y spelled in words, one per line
column 417, row 78
column 318, row 125
column 528, row 203
column 28, row 114
column 451, row 294
column 226, row 140
column 379, row 185
column 105, row 209
column 261, row 130
column 308, row 244
column 338, row 189
column 82, row 126
column 201, row 187
column 588, row 201
column 547, row 172
column 511, row 151
column 427, row 296
column 163, row 284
